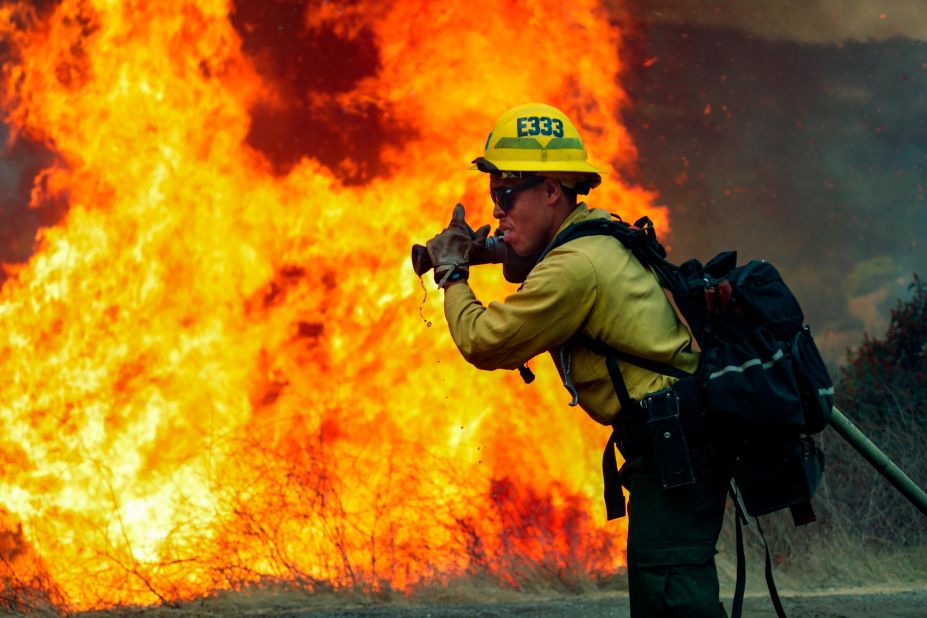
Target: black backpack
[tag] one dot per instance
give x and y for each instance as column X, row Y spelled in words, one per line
column 760, row 380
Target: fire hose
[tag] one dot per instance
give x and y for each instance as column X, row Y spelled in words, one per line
column 878, row 460
column 515, row 267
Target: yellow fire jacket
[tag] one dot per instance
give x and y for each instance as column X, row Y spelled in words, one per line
column 593, row 286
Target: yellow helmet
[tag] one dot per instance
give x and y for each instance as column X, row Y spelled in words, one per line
column 538, row 138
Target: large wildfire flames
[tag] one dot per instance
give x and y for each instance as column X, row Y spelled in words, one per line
column 215, row 371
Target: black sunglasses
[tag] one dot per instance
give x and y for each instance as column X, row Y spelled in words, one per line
column 504, row 196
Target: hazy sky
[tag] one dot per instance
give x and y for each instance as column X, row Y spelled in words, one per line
column 795, row 132
column 807, row 21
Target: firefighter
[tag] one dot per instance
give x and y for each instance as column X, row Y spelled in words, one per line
column 590, row 287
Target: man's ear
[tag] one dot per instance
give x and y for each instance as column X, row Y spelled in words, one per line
column 552, row 190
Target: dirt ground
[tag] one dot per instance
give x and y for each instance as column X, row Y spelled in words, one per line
column 907, row 604
column 859, row 603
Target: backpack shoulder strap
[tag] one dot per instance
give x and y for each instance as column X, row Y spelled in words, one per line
column 640, row 239
column 590, row 227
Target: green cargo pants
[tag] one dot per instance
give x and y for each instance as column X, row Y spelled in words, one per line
column 672, row 534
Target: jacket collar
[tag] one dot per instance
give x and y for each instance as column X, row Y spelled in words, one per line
column 580, row 213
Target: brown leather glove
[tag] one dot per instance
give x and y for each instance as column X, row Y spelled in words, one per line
column 450, row 250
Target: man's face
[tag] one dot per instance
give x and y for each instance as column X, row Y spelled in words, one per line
column 527, row 222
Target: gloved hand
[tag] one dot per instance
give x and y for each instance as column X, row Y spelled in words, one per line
column 479, row 236
column 450, row 250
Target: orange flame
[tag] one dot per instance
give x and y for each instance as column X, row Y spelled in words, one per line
column 216, row 371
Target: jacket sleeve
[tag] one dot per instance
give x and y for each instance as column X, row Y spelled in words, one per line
column 544, row 313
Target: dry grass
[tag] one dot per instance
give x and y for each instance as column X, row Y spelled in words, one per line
column 866, row 534
column 284, row 600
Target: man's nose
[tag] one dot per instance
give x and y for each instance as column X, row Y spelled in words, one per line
column 497, row 212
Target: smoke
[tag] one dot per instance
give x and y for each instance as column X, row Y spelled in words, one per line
column 806, row 21
column 811, row 156
column 314, row 58
column 24, row 206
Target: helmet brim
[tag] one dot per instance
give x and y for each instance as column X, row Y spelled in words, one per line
column 486, row 165
column 592, row 174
